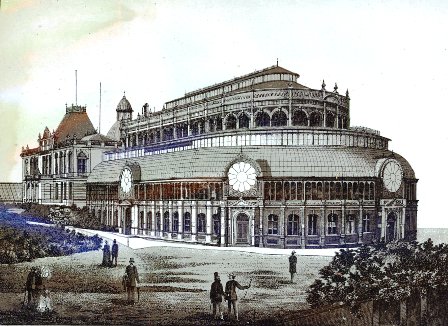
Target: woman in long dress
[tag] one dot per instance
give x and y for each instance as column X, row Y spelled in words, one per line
column 106, row 255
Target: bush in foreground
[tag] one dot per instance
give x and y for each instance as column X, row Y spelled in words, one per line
column 20, row 241
column 384, row 272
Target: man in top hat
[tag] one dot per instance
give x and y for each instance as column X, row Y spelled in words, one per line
column 131, row 280
column 292, row 265
column 216, row 293
column 231, row 296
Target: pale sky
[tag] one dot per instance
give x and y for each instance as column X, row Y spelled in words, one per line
column 391, row 56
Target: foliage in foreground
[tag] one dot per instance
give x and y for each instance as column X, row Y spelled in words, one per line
column 20, row 241
column 387, row 272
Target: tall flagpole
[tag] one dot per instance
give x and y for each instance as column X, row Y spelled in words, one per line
column 99, row 120
column 76, row 87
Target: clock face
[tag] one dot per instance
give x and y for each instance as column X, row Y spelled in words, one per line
column 392, row 175
column 126, row 180
column 242, row 176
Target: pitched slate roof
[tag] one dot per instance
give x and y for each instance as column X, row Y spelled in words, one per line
column 74, row 125
column 274, row 161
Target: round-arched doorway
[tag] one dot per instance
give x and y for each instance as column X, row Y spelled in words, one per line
column 242, row 229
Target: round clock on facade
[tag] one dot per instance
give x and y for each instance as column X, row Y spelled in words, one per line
column 242, row 176
column 126, row 180
column 392, row 175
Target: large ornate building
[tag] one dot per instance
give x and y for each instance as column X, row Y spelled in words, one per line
column 55, row 172
column 259, row 160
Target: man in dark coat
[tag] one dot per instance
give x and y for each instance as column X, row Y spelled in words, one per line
column 106, row 255
column 114, row 252
column 292, row 265
column 131, row 280
column 33, row 280
column 216, row 293
column 231, row 296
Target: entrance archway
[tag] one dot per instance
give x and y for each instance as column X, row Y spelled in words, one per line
column 242, row 229
column 391, row 226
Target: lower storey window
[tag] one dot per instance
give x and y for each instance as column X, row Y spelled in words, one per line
column 272, row 224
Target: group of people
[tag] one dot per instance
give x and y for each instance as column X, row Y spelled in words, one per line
column 130, row 279
column 217, row 294
column 110, row 257
column 36, row 294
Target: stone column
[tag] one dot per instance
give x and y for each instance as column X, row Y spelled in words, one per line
column 145, row 220
column 383, row 222
column 342, row 238
column 209, row 222
column 360, row 233
column 261, row 229
column 194, row 219
column 161, row 219
column 303, row 227
column 153, row 222
column 282, row 227
column 223, row 224
column 322, row 227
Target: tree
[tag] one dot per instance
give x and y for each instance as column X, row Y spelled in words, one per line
column 387, row 272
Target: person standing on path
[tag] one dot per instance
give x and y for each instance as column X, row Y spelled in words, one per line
column 106, row 255
column 231, row 296
column 114, row 253
column 292, row 265
column 31, row 281
column 216, row 294
column 131, row 280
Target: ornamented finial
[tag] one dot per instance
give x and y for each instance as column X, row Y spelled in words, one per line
column 124, row 93
column 335, row 87
column 323, row 84
column 346, row 94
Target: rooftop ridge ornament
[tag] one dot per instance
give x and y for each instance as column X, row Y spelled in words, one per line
column 323, row 85
column 346, row 94
column 336, row 88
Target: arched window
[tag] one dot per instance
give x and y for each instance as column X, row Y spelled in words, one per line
column 115, row 218
column 366, row 223
column 201, row 223
column 141, row 224
column 211, row 125
column 243, row 121
column 332, row 223
column 166, row 221
column 262, row 120
column 350, row 226
column 194, row 129
column 158, row 224
column 168, row 133
column 82, row 163
column 70, row 162
column 299, row 118
column 329, row 121
column 371, row 191
column 315, row 119
column 216, row 224
column 187, row 222
column 293, row 224
column 149, row 217
column 308, row 191
column 312, row 224
column 279, row 118
column 182, row 130
column 230, row 122
column 175, row 222
column 272, row 224
column 218, row 123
